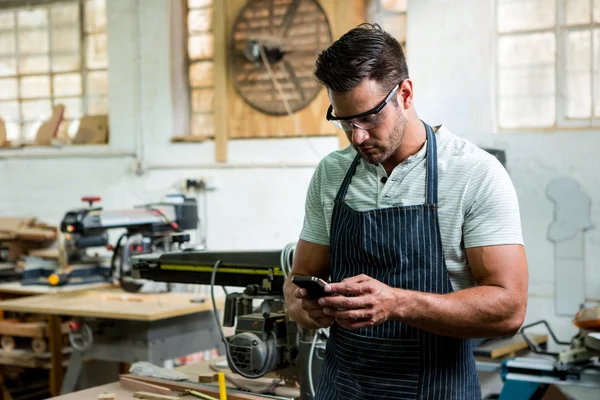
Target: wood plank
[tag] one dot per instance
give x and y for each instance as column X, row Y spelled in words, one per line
column 33, row 329
column 110, row 304
column 221, row 109
column 139, row 386
column 182, row 386
column 18, row 288
column 154, row 396
column 498, row 348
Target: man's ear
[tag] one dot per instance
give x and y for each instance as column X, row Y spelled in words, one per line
column 405, row 94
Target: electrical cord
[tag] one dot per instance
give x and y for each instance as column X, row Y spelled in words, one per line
column 310, row 358
column 113, row 259
column 271, row 347
column 286, row 259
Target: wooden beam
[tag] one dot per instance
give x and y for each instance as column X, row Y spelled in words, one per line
column 220, row 77
column 56, row 347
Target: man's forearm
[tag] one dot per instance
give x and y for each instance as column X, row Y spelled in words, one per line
column 483, row 311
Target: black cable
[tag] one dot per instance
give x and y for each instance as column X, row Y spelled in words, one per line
column 225, row 290
column 271, row 355
column 113, row 259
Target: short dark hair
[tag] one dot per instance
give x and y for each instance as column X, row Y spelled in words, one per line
column 366, row 51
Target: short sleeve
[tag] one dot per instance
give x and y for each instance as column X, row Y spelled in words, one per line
column 491, row 207
column 314, row 229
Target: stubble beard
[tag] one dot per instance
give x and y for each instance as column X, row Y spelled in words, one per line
column 395, row 139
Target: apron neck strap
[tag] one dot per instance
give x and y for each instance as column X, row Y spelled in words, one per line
column 432, row 164
column 341, row 195
column 432, row 171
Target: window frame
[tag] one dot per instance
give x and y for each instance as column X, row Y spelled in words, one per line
column 83, row 70
column 560, row 31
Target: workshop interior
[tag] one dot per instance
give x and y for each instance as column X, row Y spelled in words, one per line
column 155, row 157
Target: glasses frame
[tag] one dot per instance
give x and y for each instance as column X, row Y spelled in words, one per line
column 330, row 117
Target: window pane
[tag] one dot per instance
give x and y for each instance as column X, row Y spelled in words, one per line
column 7, row 20
column 537, row 82
column 36, row 109
column 35, row 87
column 95, row 16
column 8, row 44
column 202, row 100
column 200, row 20
column 533, row 49
column 203, row 125
column 578, row 75
column 395, row 25
column 200, row 46
column 30, row 130
column 199, row 3
column 13, row 131
column 65, row 63
column 97, row 83
column 9, row 110
column 97, row 105
column 201, row 74
column 96, row 57
column 64, row 14
column 33, row 41
column 597, row 10
column 535, row 112
column 67, row 85
column 8, row 66
column 65, row 39
column 34, row 18
column 525, row 15
column 8, row 89
column 394, row 5
column 597, row 72
column 578, row 12
column 33, row 64
column 73, row 107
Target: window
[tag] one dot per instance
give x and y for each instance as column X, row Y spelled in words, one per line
column 52, row 54
column 200, row 62
column 548, row 72
column 391, row 16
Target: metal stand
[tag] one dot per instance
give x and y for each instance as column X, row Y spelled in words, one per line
column 131, row 341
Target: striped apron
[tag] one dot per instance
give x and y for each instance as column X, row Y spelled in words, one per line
column 401, row 247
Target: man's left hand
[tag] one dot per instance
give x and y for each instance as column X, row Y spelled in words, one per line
column 373, row 303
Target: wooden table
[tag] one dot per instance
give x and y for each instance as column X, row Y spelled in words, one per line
column 148, row 327
column 93, row 393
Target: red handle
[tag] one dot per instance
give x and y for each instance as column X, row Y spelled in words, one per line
column 91, row 199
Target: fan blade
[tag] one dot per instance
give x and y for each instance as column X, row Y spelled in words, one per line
column 294, row 78
column 289, row 17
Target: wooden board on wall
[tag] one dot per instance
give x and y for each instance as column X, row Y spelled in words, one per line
column 246, row 122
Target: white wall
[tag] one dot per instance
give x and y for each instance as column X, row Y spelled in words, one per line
column 252, row 208
column 451, row 59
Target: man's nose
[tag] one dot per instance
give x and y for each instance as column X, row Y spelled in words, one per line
column 358, row 135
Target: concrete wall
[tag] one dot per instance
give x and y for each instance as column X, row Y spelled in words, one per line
column 451, row 53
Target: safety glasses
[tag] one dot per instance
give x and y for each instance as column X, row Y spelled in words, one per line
column 367, row 120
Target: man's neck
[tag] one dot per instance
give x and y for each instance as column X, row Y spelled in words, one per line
column 414, row 139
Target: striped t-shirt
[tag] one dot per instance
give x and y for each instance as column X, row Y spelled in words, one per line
column 477, row 203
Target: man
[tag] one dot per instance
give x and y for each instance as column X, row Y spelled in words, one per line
column 418, row 232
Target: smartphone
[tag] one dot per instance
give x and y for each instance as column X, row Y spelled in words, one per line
column 315, row 287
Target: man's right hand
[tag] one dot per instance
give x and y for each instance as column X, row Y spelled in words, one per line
column 313, row 309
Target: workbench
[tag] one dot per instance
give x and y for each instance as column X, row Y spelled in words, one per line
column 126, row 328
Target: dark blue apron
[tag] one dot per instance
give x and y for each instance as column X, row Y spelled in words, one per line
column 401, row 247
